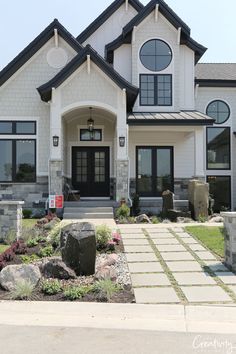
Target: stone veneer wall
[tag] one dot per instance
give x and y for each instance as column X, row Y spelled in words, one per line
column 56, row 179
column 122, row 175
column 230, row 239
column 10, row 218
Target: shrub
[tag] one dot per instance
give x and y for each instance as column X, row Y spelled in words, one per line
column 76, row 292
column 19, row 247
column 29, row 259
column 32, row 242
column 103, row 236
column 105, row 289
column 51, row 287
column 116, row 237
column 54, row 236
column 155, row 220
column 23, row 290
column 135, row 206
column 46, row 251
column 27, row 213
column 123, row 211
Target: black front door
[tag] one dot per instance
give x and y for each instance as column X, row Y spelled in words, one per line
column 90, row 171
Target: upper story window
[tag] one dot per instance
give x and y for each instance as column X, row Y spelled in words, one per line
column 155, row 55
column 155, row 90
column 17, row 127
column 218, row 110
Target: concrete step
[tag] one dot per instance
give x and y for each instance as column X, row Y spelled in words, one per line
column 91, row 203
column 90, row 215
column 88, row 210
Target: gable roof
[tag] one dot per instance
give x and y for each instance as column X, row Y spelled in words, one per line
column 98, row 22
column 35, row 45
column 170, row 15
column 45, row 90
column 216, row 74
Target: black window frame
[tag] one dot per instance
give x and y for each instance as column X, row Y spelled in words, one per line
column 87, row 130
column 154, row 192
column 229, row 112
column 14, row 180
column 229, row 152
column 156, row 90
column 230, row 185
column 155, row 55
column 14, row 124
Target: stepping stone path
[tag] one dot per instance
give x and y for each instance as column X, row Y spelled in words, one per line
column 167, row 265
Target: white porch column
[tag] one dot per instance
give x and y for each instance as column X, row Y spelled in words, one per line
column 199, row 151
column 122, row 161
column 56, row 160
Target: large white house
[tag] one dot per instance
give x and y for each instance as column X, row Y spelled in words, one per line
column 123, row 108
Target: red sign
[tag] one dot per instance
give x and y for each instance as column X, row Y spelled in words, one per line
column 59, row 201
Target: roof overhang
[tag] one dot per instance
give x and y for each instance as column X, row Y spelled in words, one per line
column 182, row 118
column 215, row 83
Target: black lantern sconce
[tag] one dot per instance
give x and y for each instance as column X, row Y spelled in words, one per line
column 55, row 140
column 122, row 141
column 90, row 121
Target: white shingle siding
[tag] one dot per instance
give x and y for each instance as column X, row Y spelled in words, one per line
column 123, row 61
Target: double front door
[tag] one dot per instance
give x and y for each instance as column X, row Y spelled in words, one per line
column 90, row 171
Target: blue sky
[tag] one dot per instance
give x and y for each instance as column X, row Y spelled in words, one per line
column 212, row 23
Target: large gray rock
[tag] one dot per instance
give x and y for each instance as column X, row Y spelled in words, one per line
column 56, row 268
column 13, row 274
column 78, row 244
column 142, row 219
column 167, row 202
column 198, row 192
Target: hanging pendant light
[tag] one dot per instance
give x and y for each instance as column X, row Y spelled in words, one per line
column 90, row 121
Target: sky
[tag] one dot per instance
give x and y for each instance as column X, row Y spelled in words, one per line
column 212, row 23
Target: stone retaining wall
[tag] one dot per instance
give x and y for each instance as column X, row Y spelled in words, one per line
column 230, row 239
column 10, row 218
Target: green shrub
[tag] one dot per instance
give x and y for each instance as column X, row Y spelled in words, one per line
column 32, row 242
column 46, row 251
column 105, row 289
column 51, row 287
column 123, row 211
column 29, row 259
column 155, row 220
column 27, row 213
column 76, row 292
column 103, row 235
column 23, row 290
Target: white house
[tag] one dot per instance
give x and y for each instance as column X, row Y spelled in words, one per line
column 123, row 108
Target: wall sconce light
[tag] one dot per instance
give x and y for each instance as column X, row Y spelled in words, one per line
column 55, row 140
column 122, row 141
column 90, row 121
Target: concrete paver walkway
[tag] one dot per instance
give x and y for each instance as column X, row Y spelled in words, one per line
column 168, row 265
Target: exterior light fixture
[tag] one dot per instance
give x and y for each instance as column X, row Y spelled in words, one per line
column 55, row 140
column 90, row 121
column 122, row 141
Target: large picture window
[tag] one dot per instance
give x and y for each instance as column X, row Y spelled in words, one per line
column 18, row 161
column 155, row 55
column 155, row 90
column 218, row 148
column 220, row 191
column 18, row 127
column 154, row 170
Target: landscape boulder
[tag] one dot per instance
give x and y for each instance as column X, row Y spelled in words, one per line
column 56, row 268
column 78, row 247
column 143, row 219
column 11, row 275
column 106, row 272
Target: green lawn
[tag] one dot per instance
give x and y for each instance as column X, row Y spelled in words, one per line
column 3, row 248
column 212, row 237
column 29, row 223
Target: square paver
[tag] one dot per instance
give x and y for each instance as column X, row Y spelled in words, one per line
column 166, row 241
column 133, row 236
column 150, row 279
column 156, row 230
column 148, row 267
column 189, row 240
column 161, row 235
column 177, row 229
column 177, row 256
column 197, row 247
column 141, row 257
column 155, row 295
column 138, row 249
column 131, row 231
column 205, row 255
column 226, row 277
column 216, row 266
column 233, row 288
column 194, row 278
column 205, row 294
column 184, row 266
column 135, row 241
column 171, row 248
column 183, row 234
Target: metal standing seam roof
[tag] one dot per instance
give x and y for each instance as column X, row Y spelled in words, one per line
column 169, row 118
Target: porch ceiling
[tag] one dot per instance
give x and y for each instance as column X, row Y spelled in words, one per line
column 185, row 118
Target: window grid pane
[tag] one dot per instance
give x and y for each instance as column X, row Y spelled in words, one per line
column 218, row 148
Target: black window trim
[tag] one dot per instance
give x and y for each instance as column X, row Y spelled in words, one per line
column 14, row 123
column 154, row 165
column 160, row 40
column 230, row 184
column 219, row 100
column 13, row 180
column 84, row 129
column 156, row 90
column 218, row 169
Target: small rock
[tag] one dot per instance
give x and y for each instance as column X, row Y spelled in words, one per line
column 143, row 218
column 216, row 219
column 105, row 272
column 13, row 274
column 111, row 259
column 56, row 268
column 50, row 225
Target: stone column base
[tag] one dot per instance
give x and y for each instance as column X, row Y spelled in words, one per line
column 55, row 177
column 122, row 179
column 230, row 239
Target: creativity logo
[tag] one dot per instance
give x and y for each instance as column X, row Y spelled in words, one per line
column 213, row 345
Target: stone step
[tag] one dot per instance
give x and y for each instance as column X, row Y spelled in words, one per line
column 78, row 210
column 91, row 203
column 90, row 215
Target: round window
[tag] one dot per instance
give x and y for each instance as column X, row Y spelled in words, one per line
column 155, row 55
column 218, row 110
